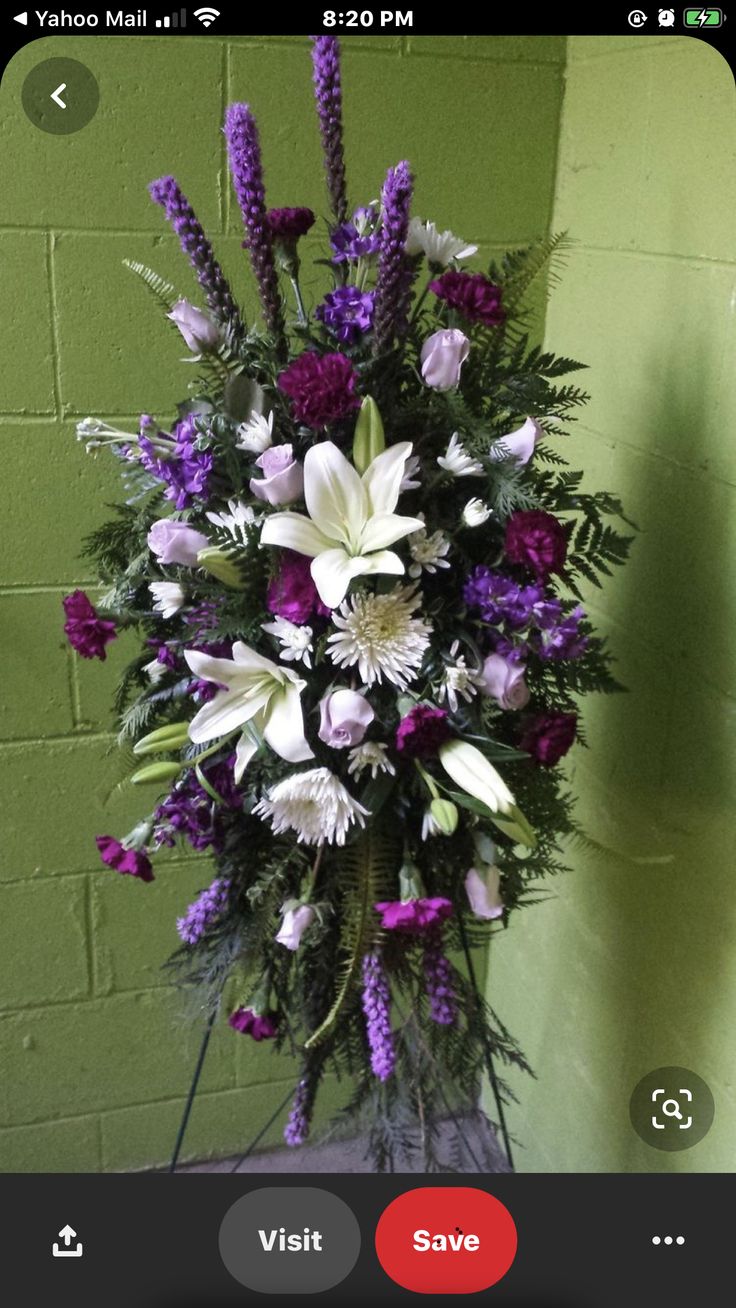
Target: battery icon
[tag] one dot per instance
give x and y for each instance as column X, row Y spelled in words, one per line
column 703, row 17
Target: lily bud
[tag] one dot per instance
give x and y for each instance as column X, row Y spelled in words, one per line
column 163, row 739
column 220, row 564
column 156, row 773
column 516, row 826
column 445, row 815
column 369, row 440
column 472, row 772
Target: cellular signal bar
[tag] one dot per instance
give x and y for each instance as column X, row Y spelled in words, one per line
column 176, row 20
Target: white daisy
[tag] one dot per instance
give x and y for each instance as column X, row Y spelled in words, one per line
column 439, row 247
column 255, row 435
column 457, row 461
column 475, row 513
column 237, row 522
column 314, row 804
column 296, row 642
column 168, row 597
column 380, row 635
column 371, row 754
column 428, row 552
column 460, row 681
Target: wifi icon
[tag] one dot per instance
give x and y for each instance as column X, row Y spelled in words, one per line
column 206, row 16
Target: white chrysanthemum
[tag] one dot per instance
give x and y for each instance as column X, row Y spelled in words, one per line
column 154, row 671
column 460, row 681
column 295, row 642
column 237, row 522
column 314, row 804
column 439, row 247
column 457, row 461
column 475, row 513
column 380, row 634
column 428, row 552
column 371, row 754
column 255, row 435
column 411, row 468
column 168, row 597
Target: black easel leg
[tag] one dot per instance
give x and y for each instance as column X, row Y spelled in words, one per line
column 489, row 1055
column 192, row 1091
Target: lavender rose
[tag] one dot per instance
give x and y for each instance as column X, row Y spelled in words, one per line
column 198, row 330
column 294, row 923
column 503, row 680
column 175, row 542
column 482, row 889
column 443, row 355
column 345, row 716
column 283, row 477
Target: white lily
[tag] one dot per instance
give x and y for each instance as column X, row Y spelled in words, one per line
column 472, row 772
column 351, row 518
column 260, row 696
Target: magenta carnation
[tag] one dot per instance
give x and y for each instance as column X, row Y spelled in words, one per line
column 549, row 736
column 287, row 225
column 537, row 540
column 292, row 594
column 134, row 862
column 321, row 388
column 422, row 731
column 414, row 914
column 85, row 630
column 473, row 295
column 258, row 1025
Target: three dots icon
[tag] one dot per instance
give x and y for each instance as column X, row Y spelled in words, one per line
column 668, row 1239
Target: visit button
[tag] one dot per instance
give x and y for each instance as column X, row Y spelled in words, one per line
column 289, row 1240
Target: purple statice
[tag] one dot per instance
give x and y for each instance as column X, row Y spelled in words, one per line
column 394, row 270
column 328, row 94
column 205, row 910
column 377, row 1009
column 165, row 191
column 244, row 152
column 357, row 239
column 347, row 312
column 85, row 630
column 184, row 468
column 438, row 980
column 300, row 1117
column 188, row 812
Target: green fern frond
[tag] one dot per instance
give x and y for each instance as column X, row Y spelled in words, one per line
column 163, row 292
column 531, row 264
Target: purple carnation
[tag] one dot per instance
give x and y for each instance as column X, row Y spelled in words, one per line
column 377, row 1009
column 165, row 191
column 347, row 312
column 185, row 470
column 536, row 540
column 205, row 910
column 292, row 593
column 422, row 731
column 548, row 737
column 438, row 980
column 85, row 630
column 287, row 225
column 472, row 294
column 133, row 862
column 415, row 915
column 261, row 1026
column 328, row 93
column 321, row 388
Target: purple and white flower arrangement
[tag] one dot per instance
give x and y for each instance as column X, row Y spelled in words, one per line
column 354, row 557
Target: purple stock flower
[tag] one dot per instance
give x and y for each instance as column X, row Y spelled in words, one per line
column 261, row 1026
column 190, row 812
column 204, row 910
column 394, row 267
column 377, row 1009
column 134, row 862
column 472, row 294
column 422, row 731
column 438, row 980
column 85, row 630
column 328, row 94
column 244, row 152
column 347, row 312
column 165, row 191
column 186, row 470
column 560, row 637
column 297, row 1127
column 292, row 593
column 321, row 388
column 414, row 915
column 511, row 608
column 357, row 239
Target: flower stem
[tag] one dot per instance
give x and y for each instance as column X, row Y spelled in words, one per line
column 301, row 311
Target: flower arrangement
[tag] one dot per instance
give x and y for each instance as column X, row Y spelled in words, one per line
column 354, row 560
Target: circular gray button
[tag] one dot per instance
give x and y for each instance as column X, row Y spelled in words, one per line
column 289, row 1240
column 672, row 1108
column 60, row 96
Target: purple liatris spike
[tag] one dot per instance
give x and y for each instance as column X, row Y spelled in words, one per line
column 166, row 192
column 203, row 911
column 244, row 153
column 297, row 1127
column 438, row 980
column 328, row 93
column 394, row 272
column 377, row 1009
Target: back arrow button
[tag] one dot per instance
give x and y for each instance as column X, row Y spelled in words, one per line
column 56, row 95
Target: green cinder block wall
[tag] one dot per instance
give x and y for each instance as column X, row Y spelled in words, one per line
column 631, row 966
column 95, row 1051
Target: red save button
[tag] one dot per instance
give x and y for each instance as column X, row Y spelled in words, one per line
column 446, row 1240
